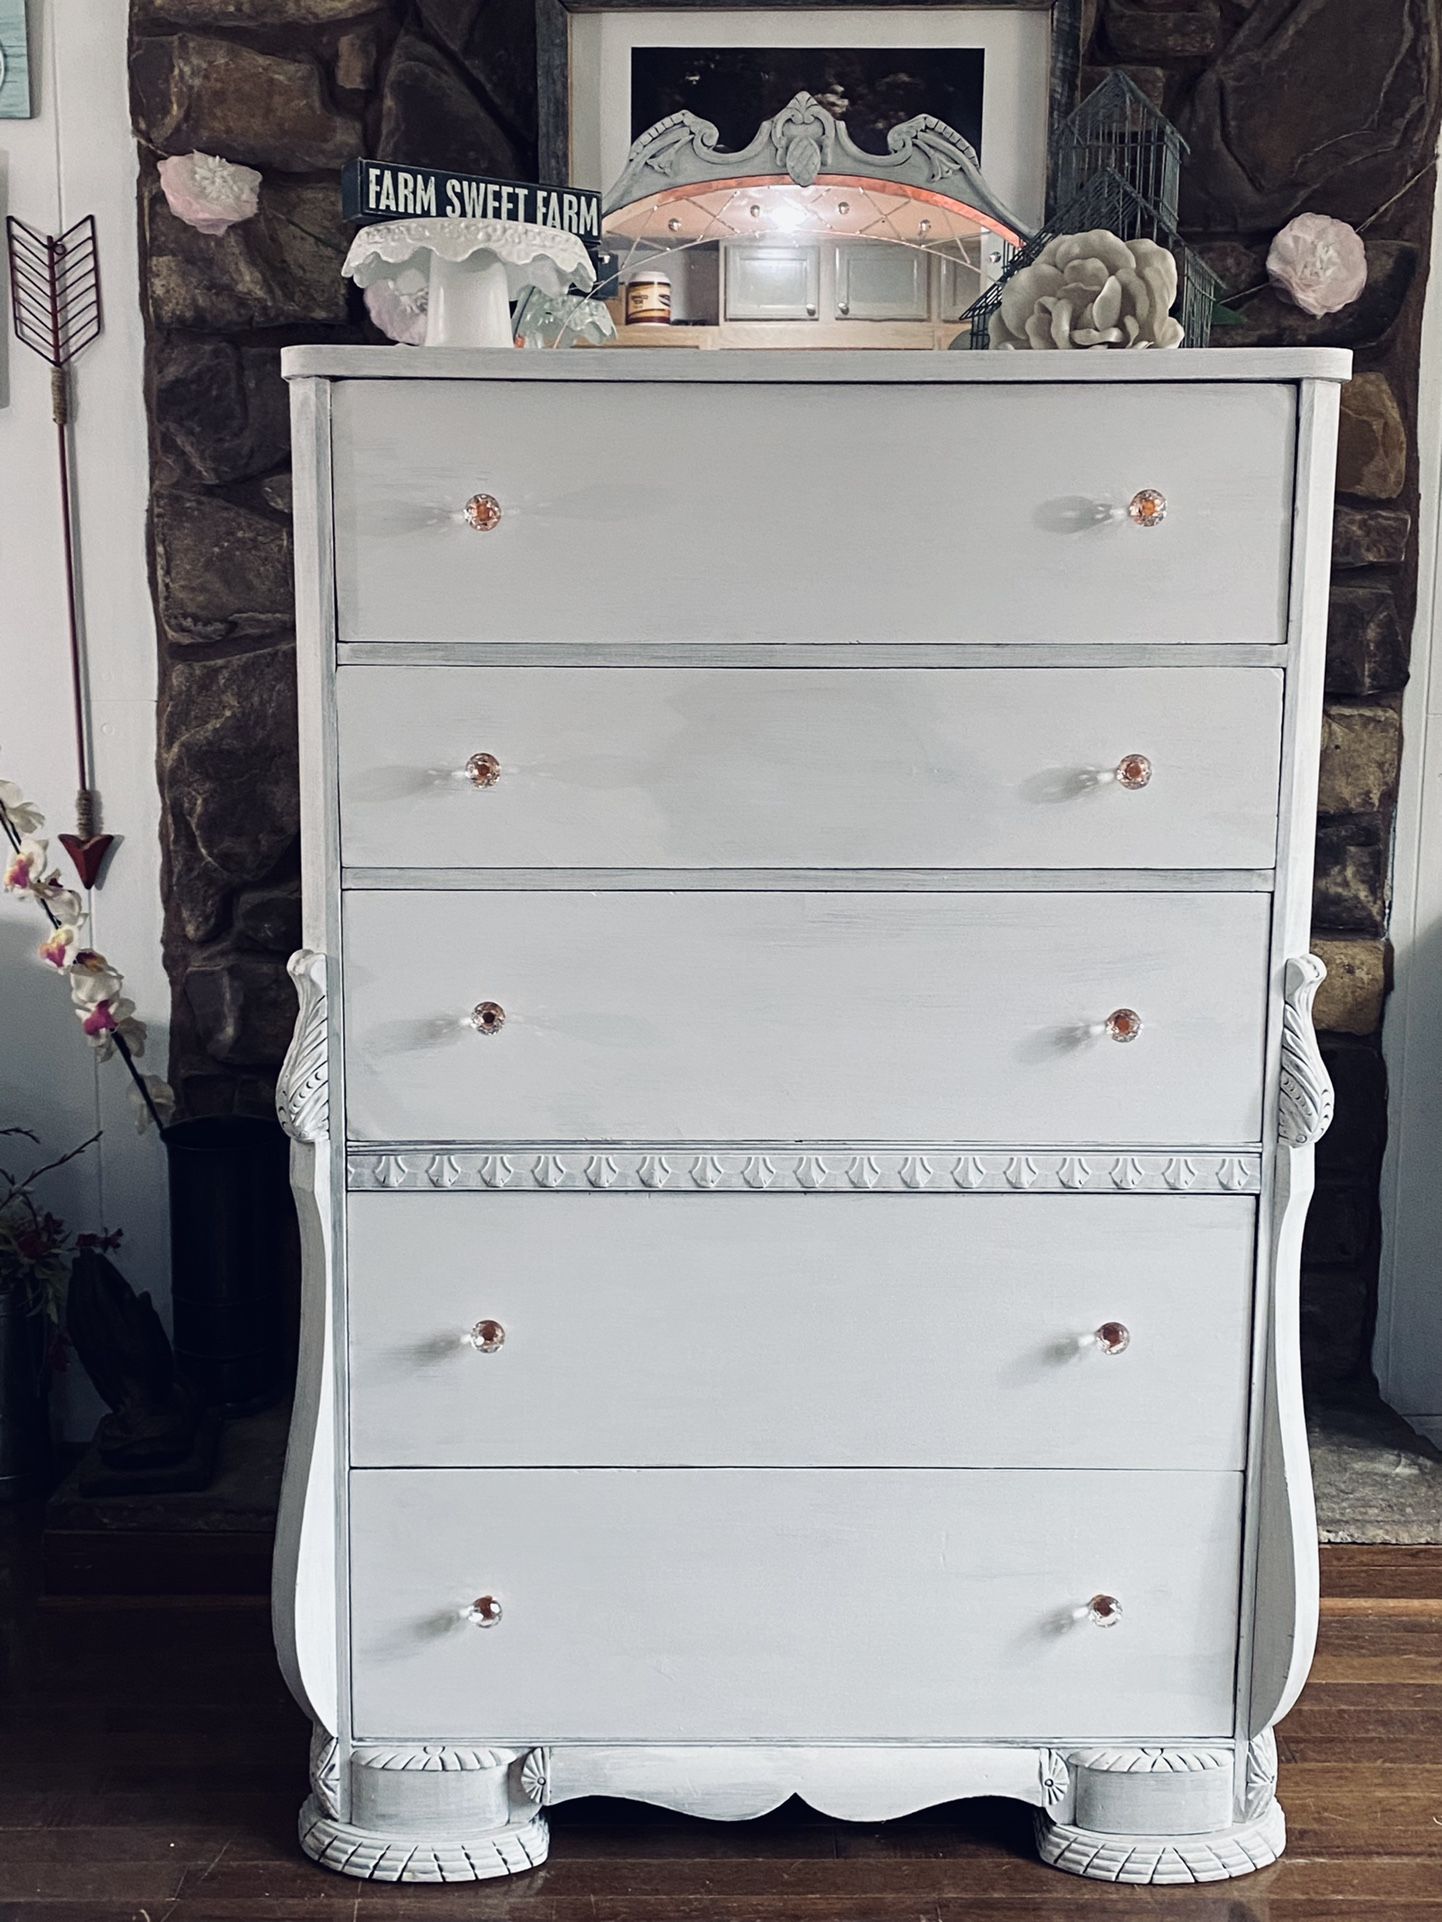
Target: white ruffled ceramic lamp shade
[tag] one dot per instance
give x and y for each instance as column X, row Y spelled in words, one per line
column 472, row 269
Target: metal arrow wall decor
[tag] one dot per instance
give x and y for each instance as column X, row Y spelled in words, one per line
column 55, row 303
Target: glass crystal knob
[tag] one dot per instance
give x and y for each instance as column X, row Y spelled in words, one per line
column 1148, row 508
column 483, row 512
column 487, row 1336
column 1123, row 1024
column 1112, row 1337
column 1104, row 1611
column 1133, row 771
column 487, row 1017
column 485, row 770
column 485, row 1612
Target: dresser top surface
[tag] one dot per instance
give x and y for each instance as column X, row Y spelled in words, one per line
column 863, row 364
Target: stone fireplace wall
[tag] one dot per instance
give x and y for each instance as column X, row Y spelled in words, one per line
column 1288, row 105
column 295, row 88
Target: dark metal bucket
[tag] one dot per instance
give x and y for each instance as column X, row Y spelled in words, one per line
column 230, row 1225
column 24, row 1400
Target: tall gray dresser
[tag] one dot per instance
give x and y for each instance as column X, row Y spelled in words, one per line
column 804, row 1090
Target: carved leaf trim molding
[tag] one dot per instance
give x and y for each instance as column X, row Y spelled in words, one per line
column 434, row 1758
column 302, row 1095
column 711, row 1168
column 1306, row 1102
column 1151, row 1761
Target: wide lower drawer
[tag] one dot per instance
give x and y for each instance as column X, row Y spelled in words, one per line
column 835, row 1331
column 728, row 1605
column 843, row 768
column 698, row 1016
column 648, row 512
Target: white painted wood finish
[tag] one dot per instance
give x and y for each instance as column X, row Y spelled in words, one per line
column 714, row 1332
column 656, row 513
column 792, row 1604
column 807, row 1016
column 792, row 1168
column 750, row 767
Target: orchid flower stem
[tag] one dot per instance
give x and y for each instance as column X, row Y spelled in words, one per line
column 122, row 1048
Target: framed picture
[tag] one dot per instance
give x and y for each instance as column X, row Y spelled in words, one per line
column 1002, row 72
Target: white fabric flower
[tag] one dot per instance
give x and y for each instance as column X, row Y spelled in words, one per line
column 1318, row 263
column 208, row 193
column 1090, row 290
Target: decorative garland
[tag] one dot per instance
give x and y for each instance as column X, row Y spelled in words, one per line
column 107, row 1018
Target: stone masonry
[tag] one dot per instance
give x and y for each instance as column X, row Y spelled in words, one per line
column 1288, row 105
column 295, row 88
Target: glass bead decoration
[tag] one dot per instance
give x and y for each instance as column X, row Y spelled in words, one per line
column 485, row 1611
column 1123, row 1024
column 1113, row 1337
column 1104, row 1611
column 483, row 512
column 1133, row 771
column 484, row 770
column 487, row 1017
column 1147, row 508
column 487, row 1337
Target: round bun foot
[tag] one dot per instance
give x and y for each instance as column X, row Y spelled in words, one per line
column 391, row 1857
column 1215, row 1856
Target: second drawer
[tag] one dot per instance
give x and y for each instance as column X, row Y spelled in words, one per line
column 639, row 1330
column 814, row 767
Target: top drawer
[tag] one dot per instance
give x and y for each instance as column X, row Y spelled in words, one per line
column 660, row 511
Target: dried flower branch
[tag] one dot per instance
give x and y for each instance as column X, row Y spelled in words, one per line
column 35, row 1245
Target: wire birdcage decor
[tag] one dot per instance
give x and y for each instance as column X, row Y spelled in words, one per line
column 1117, row 166
column 1111, row 203
column 1117, row 129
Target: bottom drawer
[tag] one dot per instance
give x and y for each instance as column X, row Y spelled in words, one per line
column 713, row 1605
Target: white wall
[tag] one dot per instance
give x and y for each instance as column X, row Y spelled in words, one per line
column 1408, row 1350
column 76, row 156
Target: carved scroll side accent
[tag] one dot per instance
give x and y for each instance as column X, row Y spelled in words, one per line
column 1305, row 1111
column 302, row 1095
column 717, row 1167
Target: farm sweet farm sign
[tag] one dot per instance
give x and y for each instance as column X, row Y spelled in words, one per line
column 382, row 190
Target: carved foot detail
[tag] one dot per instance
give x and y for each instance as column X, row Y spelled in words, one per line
column 424, row 1812
column 1212, row 1857
column 389, row 1857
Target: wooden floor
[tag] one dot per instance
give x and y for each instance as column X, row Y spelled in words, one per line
column 151, row 1766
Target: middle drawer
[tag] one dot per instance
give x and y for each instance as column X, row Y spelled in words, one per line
column 730, row 1015
column 828, row 1331
column 814, row 767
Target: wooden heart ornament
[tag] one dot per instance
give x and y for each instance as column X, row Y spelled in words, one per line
column 88, row 854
